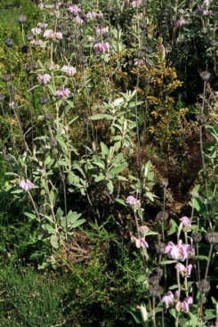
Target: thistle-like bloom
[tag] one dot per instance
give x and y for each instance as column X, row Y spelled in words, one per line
column 131, row 200
column 101, row 47
column 43, row 79
column 184, row 270
column 140, row 242
column 62, row 93
column 178, row 251
column 168, row 299
column 26, row 185
column 69, row 70
column 185, row 221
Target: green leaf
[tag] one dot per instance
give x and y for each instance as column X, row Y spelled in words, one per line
column 101, row 116
column 104, row 149
column 54, row 240
column 110, row 187
column 32, row 216
column 115, row 171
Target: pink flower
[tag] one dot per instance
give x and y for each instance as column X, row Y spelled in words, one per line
column 136, row 3
column 42, row 25
column 26, row 185
column 184, row 305
column 43, row 79
column 74, row 9
column 168, row 299
column 185, row 221
column 79, row 20
column 139, row 62
column 101, row 47
column 140, row 242
column 36, row 31
column 101, row 31
column 179, row 251
column 69, row 70
column 62, row 93
column 93, row 14
column 131, row 200
column 51, row 35
column 184, row 271
column 180, row 22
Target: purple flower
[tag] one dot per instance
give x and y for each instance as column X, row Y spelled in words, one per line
column 62, row 93
column 101, row 47
column 26, row 185
column 131, row 200
column 185, row 221
column 184, row 271
column 43, row 79
column 168, row 299
column 178, row 251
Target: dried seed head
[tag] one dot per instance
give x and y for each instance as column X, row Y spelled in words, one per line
column 6, row 78
column 162, row 215
column 9, row 42
column 212, row 237
column 205, row 75
column 160, row 247
column 197, row 237
column 22, row 19
column 204, row 286
column 155, row 290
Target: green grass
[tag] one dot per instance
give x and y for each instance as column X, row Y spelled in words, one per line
column 30, row 298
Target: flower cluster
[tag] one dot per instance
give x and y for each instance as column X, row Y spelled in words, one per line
column 184, row 270
column 131, row 200
column 178, row 251
column 93, row 15
column 69, row 70
column 101, row 30
column 62, row 93
column 51, row 35
column 171, row 299
column 26, row 185
column 74, row 9
column 101, row 47
column 43, row 78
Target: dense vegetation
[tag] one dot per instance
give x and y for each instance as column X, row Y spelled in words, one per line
column 108, row 160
